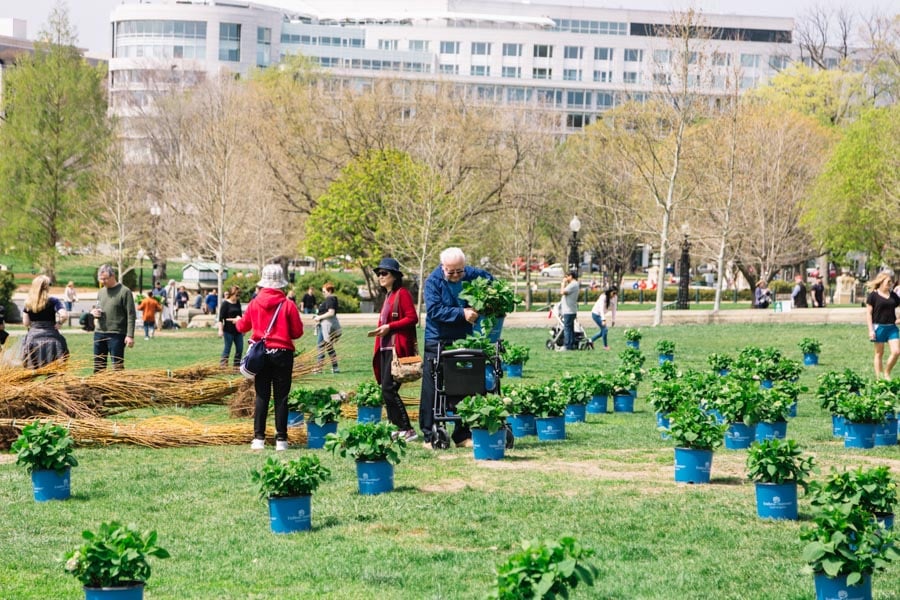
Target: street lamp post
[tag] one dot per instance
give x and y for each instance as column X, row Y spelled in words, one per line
column 140, row 255
column 155, row 212
column 574, row 262
column 684, row 271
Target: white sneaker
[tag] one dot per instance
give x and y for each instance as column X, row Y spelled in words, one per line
column 258, row 445
column 281, row 445
column 410, row 435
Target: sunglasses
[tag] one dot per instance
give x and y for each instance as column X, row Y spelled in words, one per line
column 382, row 273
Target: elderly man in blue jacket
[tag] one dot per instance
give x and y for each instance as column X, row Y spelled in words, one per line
column 447, row 319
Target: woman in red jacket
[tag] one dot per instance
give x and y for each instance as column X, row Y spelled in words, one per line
column 396, row 331
column 274, row 379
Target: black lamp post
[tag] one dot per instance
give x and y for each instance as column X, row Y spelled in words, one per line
column 140, row 256
column 574, row 261
column 155, row 212
column 684, row 272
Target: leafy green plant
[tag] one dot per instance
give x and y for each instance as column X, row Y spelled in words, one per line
column 868, row 407
column 483, row 411
column 599, row 384
column 667, row 371
column 874, row 490
column 832, row 383
column 368, row 393
column 786, row 369
column 632, row 335
column 810, row 346
column 115, row 555
column 774, row 406
column 665, row 347
column 476, row 341
column 367, row 442
column 321, row 406
column 44, row 447
column 779, row 461
column 736, row 399
column 846, row 542
column 286, row 479
column 632, row 357
column 667, row 396
column 520, row 400
column 490, row 298
column 576, row 388
column 549, row 401
column 515, row 354
column 691, row 427
column 624, row 380
column 544, row 570
column 720, row 362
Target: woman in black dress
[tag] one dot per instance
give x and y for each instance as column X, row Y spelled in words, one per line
column 43, row 344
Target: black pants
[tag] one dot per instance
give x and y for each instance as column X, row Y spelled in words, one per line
column 390, row 392
column 273, row 381
column 427, row 398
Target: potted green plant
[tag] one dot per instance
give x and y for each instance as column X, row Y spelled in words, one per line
column 549, row 404
column 778, row 467
column 666, row 396
column 624, row 381
column 113, row 561
column 862, row 414
column 601, row 388
column 485, row 415
column 696, row 434
column 666, row 351
column 720, row 363
column 544, row 570
column 828, row 392
column 771, row 413
column 514, row 358
column 322, row 408
column 844, row 548
column 578, row 392
column 368, row 401
column 873, row 489
column 288, row 486
column 46, row 450
column 888, row 393
column 375, row 451
column 810, row 348
column 492, row 300
column 633, row 337
column 519, row 401
column 735, row 401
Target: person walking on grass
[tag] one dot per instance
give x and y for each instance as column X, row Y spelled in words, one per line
column 149, row 307
column 229, row 312
column 881, row 317
column 270, row 310
column 114, row 318
column 607, row 302
column 569, row 292
column 328, row 328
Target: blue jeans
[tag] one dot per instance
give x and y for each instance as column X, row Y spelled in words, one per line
column 603, row 329
column 569, row 331
column 273, row 382
column 236, row 339
column 149, row 328
column 111, row 345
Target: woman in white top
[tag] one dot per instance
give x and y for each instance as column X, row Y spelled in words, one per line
column 607, row 302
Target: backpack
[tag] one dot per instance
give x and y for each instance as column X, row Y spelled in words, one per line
column 86, row 321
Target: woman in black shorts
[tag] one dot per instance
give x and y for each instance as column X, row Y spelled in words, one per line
column 881, row 317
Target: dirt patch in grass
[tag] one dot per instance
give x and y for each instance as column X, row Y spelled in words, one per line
column 447, row 485
column 7, row 458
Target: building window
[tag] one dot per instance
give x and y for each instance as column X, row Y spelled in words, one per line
column 230, row 42
column 779, row 62
column 418, row 45
column 572, row 74
column 577, row 121
column 449, row 47
column 549, row 97
column 630, row 77
column 543, row 51
column 603, row 53
column 387, row 44
column 480, row 71
column 518, row 95
column 448, row 69
column 721, row 59
column 605, row 100
column 750, row 60
column 512, row 72
column 576, row 52
column 662, row 57
column 263, row 46
column 481, row 48
column 633, row 55
column 662, row 79
column 603, row 76
column 541, row 73
column 512, row 49
column 747, row 82
column 578, row 99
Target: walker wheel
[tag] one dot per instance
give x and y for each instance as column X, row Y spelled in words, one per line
column 510, row 438
column 550, row 345
column 441, row 441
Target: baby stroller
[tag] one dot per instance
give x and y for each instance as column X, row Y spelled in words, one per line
column 557, row 339
column 459, row 373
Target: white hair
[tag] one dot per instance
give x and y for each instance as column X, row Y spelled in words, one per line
column 452, row 255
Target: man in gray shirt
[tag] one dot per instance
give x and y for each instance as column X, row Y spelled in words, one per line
column 569, row 291
column 114, row 316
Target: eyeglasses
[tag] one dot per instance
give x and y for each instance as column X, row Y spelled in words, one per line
column 454, row 271
column 381, row 273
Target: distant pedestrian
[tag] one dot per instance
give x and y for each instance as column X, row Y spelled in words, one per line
column 43, row 344
column 569, row 292
column 149, row 307
column 211, row 302
column 818, row 293
column 229, row 312
column 181, row 298
column 114, row 318
column 881, row 317
column 328, row 328
column 762, row 296
column 308, row 301
column 604, row 314
column 798, row 294
column 71, row 296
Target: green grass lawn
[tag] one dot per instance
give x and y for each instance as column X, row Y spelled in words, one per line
column 450, row 519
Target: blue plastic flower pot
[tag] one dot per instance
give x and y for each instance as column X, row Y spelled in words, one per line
column 886, row 432
column 50, row 485
column 598, row 405
column 720, row 418
column 859, row 435
column 837, row 426
column 724, row 372
column 664, row 358
column 294, row 418
column 692, row 465
column 514, row 370
column 494, row 334
column 522, row 425
column 315, row 434
column 886, row 519
column 623, row 403
column 771, row 431
column 836, row 588
column 489, row 446
column 128, row 592
column 575, row 413
column 632, row 344
column 374, row 477
column 792, row 409
column 766, row 384
column 368, row 414
column 739, row 436
column 490, row 378
column 550, row 428
column 287, row 515
column 810, row 359
column 776, row 500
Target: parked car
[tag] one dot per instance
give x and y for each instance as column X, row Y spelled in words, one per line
column 534, row 267
column 554, row 270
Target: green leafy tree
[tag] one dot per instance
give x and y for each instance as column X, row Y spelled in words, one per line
column 55, row 129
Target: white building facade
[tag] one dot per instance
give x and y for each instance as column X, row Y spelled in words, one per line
column 574, row 58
